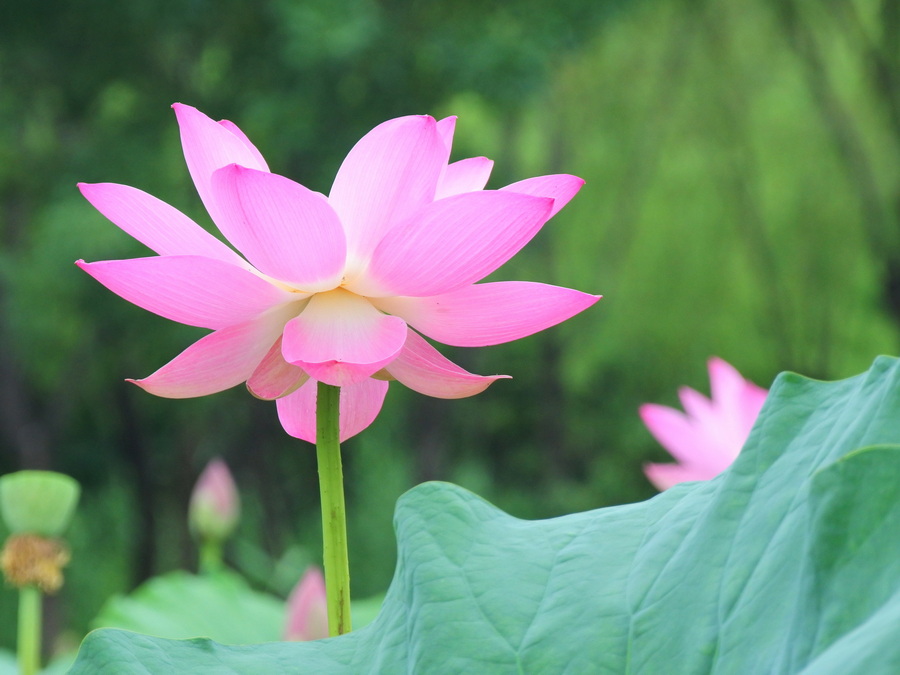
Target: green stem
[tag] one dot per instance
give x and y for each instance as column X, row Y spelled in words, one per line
column 334, row 518
column 210, row 556
column 29, row 642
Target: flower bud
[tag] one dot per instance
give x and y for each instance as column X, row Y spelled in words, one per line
column 215, row 504
column 38, row 502
column 307, row 608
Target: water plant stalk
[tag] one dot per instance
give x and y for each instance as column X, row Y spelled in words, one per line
column 29, row 638
column 210, row 555
column 334, row 517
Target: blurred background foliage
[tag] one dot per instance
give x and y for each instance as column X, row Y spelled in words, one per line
column 742, row 200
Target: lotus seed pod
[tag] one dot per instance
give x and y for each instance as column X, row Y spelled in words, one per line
column 38, row 502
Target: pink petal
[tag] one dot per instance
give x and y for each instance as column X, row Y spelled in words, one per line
column 664, row 476
column 154, row 223
column 217, row 361
column 423, row 369
column 750, row 403
column 360, row 405
column 735, row 406
column 341, row 339
column 735, row 397
column 452, row 243
column 307, row 608
column 560, row 187
column 388, row 175
column 725, row 381
column 696, row 405
column 466, row 175
column 274, row 377
column 718, row 422
column 287, row 231
column 712, row 434
column 233, row 128
column 190, row 289
column 209, row 146
column 445, row 128
column 677, row 434
column 490, row 313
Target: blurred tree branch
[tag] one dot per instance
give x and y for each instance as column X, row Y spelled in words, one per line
column 881, row 220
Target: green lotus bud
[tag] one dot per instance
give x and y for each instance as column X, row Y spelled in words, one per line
column 38, row 502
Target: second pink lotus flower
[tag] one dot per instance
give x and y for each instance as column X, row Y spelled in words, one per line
column 335, row 289
column 709, row 435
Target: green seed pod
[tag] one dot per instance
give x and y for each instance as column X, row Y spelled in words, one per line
column 38, row 502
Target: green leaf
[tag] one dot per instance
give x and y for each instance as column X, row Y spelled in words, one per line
column 220, row 606
column 8, row 663
column 788, row 562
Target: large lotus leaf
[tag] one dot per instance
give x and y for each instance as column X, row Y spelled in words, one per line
column 221, row 606
column 8, row 663
column 788, row 562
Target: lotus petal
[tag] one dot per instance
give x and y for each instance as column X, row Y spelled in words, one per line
column 423, row 369
column 341, row 339
column 274, row 377
column 190, row 289
column 664, row 476
column 154, row 223
column 676, row 433
column 452, row 243
column 391, row 173
column 208, row 146
column 560, row 187
column 286, row 230
column 488, row 314
column 360, row 404
column 445, row 128
column 217, row 361
column 739, row 399
column 466, row 175
column 233, row 128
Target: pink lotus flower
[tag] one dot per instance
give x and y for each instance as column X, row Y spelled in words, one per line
column 710, row 436
column 331, row 288
column 307, row 608
column 215, row 505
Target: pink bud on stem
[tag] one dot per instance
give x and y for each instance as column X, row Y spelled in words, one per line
column 214, row 511
column 307, row 609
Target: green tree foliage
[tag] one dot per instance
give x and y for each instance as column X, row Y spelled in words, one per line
column 741, row 201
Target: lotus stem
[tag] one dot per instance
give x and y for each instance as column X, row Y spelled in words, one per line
column 334, row 518
column 29, row 638
column 210, row 556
